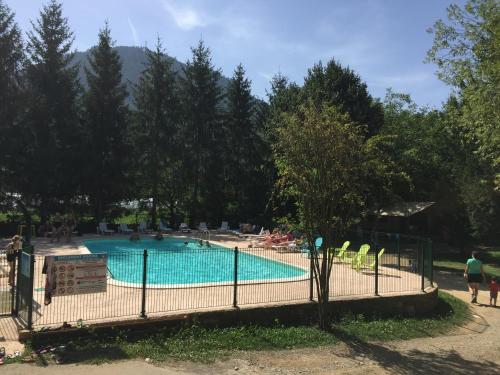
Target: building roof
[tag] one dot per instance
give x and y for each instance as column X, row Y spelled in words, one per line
column 404, row 209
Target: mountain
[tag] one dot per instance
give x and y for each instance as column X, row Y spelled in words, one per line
column 133, row 62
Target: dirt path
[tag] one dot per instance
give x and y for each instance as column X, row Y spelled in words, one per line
column 473, row 349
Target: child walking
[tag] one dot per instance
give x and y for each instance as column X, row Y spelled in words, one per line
column 493, row 290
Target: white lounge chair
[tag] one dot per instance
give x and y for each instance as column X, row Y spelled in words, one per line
column 224, row 227
column 203, row 227
column 184, row 228
column 143, row 227
column 103, row 229
column 123, row 228
column 164, row 228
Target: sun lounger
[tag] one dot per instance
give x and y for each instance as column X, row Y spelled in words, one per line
column 224, row 227
column 143, row 227
column 203, row 227
column 123, row 228
column 103, row 229
column 184, row 228
column 164, row 228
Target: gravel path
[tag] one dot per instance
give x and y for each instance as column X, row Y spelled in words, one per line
column 472, row 349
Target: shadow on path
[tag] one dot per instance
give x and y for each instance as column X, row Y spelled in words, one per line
column 416, row 361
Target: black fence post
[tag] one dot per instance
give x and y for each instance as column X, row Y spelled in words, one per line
column 14, row 288
column 431, row 259
column 399, row 251
column 29, row 301
column 311, row 276
column 376, row 266
column 144, row 281
column 235, row 287
column 422, row 266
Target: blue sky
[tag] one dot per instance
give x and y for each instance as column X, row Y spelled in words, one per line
column 384, row 41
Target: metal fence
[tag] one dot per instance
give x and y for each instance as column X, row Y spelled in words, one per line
column 157, row 282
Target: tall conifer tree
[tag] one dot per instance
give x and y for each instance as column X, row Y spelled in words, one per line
column 202, row 96
column 155, row 128
column 105, row 126
column 51, row 103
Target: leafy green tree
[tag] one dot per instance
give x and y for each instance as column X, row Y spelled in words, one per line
column 106, row 120
column 341, row 87
column 52, row 138
column 201, row 102
column 156, row 131
column 317, row 165
column 467, row 53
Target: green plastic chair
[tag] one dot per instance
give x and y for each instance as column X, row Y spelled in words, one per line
column 372, row 266
column 342, row 250
column 360, row 259
column 353, row 259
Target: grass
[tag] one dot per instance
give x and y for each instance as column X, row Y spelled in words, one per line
column 491, row 262
column 196, row 343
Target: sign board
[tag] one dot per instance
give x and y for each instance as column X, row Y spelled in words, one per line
column 76, row 274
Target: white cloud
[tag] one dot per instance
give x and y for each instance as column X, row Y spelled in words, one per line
column 186, row 18
column 133, row 30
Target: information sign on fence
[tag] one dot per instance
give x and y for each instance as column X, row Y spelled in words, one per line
column 76, row 274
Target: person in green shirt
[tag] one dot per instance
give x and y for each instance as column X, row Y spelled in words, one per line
column 474, row 275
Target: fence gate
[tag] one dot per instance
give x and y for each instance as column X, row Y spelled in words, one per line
column 23, row 298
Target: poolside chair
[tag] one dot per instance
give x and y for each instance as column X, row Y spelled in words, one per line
column 380, row 253
column 103, row 229
column 184, row 228
column 123, row 228
column 351, row 257
column 143, row 227
column 163, row 227
column 343, row 249
column 360, row 258
column 224, row 227
column 286, row 247
column 203, row 227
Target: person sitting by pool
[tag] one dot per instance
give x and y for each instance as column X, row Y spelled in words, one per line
column 208, row 244
column 200, row 243
column 159, row 236
column 57, row 228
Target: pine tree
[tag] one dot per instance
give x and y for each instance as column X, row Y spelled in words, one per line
column 11, row 58
column 105, row 126
column 201, row 96
column 240, row 133
column 51, row 103
column 341, row 87
column 155, row 129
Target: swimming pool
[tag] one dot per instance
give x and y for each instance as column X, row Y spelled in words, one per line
column 172, row 262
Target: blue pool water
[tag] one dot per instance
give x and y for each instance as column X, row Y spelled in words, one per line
column 172, row 262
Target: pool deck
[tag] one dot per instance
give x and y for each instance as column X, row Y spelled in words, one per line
column 122, row 302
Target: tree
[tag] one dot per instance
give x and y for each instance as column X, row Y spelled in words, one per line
column 52, row 138
column 11, row 59
column 341, row 87
column 201, row 101
column 467, row 53
column 318, row 166
column 14, row 184
column 156, row 130
column 106, row 120
column 240, row 143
